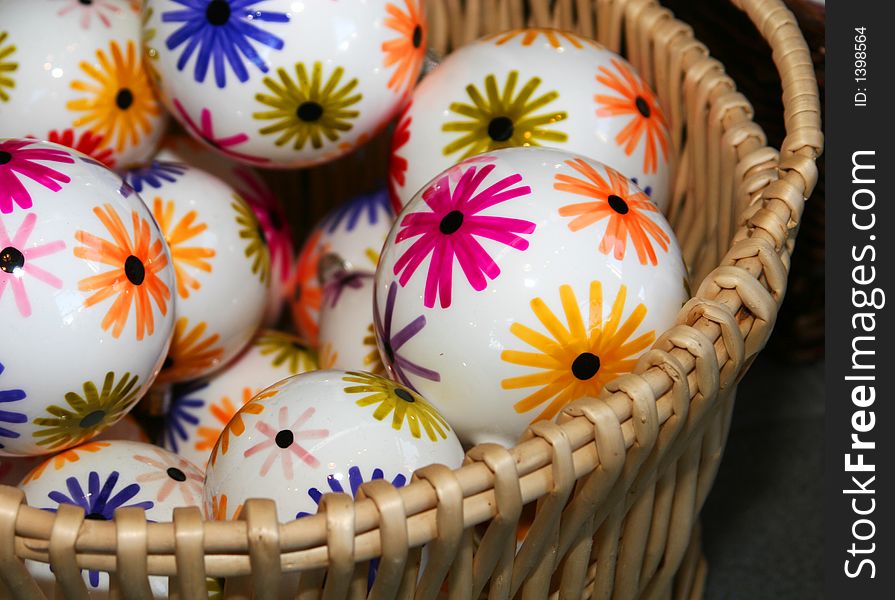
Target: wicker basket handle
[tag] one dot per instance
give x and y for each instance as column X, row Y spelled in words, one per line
column 801, row 101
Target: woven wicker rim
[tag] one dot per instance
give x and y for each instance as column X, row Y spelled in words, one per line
column 603, row 444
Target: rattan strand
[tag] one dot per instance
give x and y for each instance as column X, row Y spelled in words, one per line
column 619, row 482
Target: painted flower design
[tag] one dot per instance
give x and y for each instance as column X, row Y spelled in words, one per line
column 397, row 164
column 250, row 230
column 219, row 508
column 575, row 359
column 11, row 417
column 7, row 67
column 134, row 278
column 636, row 99
column 204, row 130
column 399, row 365
column 59, row 461
column 406, row 51
column 150, row 52
column 307, row 293
column 119, row 103
column 452, row 229
column 192, row 353
column 367, row 209
column 171, row 474
column 355, row 479
column 332, row 291
column 183, row 413
column 284, row 443
column 223, row 411
column 222, row 33
column 91, row 144
column 401, row 403
column 286, row 350
column 187, row 259
column 235, row 425
column 98, row 500
column 89, row 10
column 17, row 264
column 502, row 118
column 327, row 356
column 307, row 108
column 271, row 217
column 87, row 413
column 17, row 159
column 155, row 175
column 627, row 212
column 555, row 37
column 372, row 360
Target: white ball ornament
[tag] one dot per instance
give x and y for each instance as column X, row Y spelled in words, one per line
column 72, row 72
column 283, row 84
column 324, row 431
column 86, row 287
column 519, row 281
column 532, row 87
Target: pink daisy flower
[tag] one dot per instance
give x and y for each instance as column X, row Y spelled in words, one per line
column 283, row 443
column 17, row 159
column 453, row 228
column 204, row 130
column 16, row 262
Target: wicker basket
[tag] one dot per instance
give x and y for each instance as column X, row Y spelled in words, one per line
column 615, row 488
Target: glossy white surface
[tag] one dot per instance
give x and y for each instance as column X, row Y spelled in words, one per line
column 346, row 324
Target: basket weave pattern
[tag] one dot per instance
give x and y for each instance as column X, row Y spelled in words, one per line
column 617, row 483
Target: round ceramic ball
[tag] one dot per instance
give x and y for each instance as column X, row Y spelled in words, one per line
column 324, row 431
column 86, row 290
column 268, row 209
column 201, row 409
column 348, row 239
column 101, row 477
column 347, row 339
column 72, row 72
column 282, row 84
column 221, row 260
column 532, row 87
column 513, row 285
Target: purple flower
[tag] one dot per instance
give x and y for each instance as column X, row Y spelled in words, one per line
column 17, row 159
column 372, row 205
column 181, row 413
column 155, row 174
column 98, row 502
column 8, row 416
column 332, row 291
column 390, row 344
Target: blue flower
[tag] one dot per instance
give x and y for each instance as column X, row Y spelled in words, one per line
column 370, row 204
column 98, row 503
column 154, row 175
column 648, row 190
column 8, row 416
column 222, row 31
column 181, row 413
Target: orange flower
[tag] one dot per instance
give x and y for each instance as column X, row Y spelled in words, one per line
column 408, row 49
column 176, row 236
column 61, row 459
column 236, row 426
column 328, row 356
column 307, row 295
column 218, row 509
column 222, row 411
column 638, row 101
column 190, row 356
column 553, row 36
column 627, row 213
column 134, row 276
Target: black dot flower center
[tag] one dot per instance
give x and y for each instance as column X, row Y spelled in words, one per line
column 218, row 12
column 417, row 36
column 5, row 157
column 585, row 366
column 404, row 395
column 642, row 106
column 134, row 270
column 451, row 222
column 86, row 2
column 95, row 517
column 618, row 204
column 92, row 419
column 284, row 438
column 124, row 98
column 11, row 259
column 500, row 129
column 176, row 474
column 309, row 112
